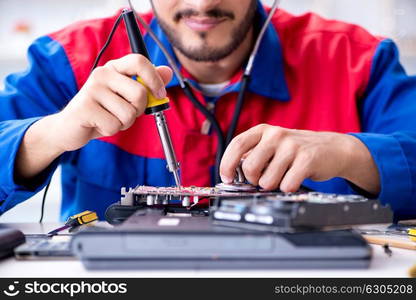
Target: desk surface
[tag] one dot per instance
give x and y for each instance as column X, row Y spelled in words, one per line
column 382, row 265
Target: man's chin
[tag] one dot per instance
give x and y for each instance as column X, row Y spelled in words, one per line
column 205, row 54
column 209, row 43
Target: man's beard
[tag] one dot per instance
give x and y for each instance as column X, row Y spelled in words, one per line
column 205, row 53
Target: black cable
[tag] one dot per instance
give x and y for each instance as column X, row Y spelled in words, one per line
column 42, row 210
column 238, row 108
column 215, row 125
column 97, row 60
column 107, row 43
column 222, row 142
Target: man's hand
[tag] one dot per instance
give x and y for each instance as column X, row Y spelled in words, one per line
column 276, row 157
column 108, row 102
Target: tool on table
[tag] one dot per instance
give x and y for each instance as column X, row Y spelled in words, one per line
column 387, row 250
column 155, row 106
column 74, row 221
column 395, row 229
column 44, row 248
column 411, row 232
column 10, row 238
column 398, row 236
column 412, row 272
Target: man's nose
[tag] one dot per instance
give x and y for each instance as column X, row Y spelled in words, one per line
column 202, row 5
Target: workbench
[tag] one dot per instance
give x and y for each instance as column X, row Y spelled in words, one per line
column 382, row 265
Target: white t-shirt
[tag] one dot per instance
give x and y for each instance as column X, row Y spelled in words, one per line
column 213, row 89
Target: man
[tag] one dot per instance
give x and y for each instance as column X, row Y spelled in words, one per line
column 313, row 81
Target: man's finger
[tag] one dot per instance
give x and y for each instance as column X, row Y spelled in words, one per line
column 138, row 65
column 105, row 123
column 294, row 177
column 165, row 73
column 240, row 145
column 130, row 90
column 272, row 176
column 124, row 111
column 257, row 161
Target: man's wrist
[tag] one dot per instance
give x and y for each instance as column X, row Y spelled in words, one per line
column 46, row 134
column 38, row 149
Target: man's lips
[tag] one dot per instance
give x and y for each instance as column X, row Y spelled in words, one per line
column 202, row 24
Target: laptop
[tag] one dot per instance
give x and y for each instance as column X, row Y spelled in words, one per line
column 153, row 239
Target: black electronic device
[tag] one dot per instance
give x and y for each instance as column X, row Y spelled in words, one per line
column 10, row 238
column 44, row 248
column 298, row 212
column 154, row 239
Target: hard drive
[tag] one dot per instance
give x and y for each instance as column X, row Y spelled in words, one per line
column 298, row 212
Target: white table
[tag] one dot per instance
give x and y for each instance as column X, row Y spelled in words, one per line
column 381, row 266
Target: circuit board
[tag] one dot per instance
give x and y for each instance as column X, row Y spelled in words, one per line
column 191, row 195
column 188, row 196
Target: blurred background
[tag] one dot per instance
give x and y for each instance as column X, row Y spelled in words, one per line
column 21, row 21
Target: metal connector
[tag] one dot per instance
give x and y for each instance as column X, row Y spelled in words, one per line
column 172, row 163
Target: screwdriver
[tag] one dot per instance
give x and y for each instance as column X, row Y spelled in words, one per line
column 411, row 232
column 155, row 107
column 76, row 220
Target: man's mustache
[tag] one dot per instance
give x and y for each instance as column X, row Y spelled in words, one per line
column 213, row 13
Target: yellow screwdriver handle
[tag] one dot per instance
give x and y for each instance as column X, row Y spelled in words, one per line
column 152, row 101
column 412, row 234
column 82, row 218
